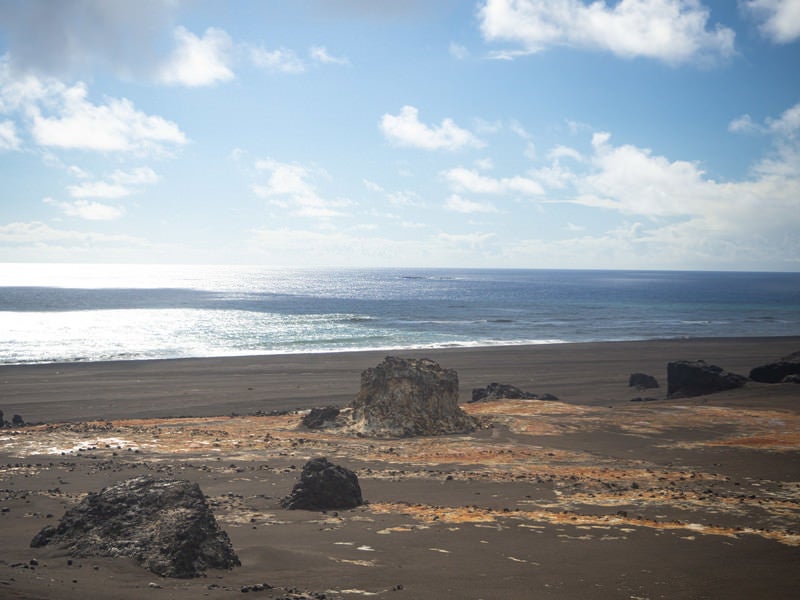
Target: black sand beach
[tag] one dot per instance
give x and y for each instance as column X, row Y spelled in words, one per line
column 590, row 496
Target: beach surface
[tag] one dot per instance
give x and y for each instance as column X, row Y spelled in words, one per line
column 592, row 495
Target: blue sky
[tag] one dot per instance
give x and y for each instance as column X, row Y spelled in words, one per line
column 639, row 134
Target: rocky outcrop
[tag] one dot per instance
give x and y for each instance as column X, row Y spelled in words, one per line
column 778, row 371
column 698, row 378
column 324, row 486
column 642, row 381
column 504, row 391
column 320, row 418
column 401, row 397
column 164, row 525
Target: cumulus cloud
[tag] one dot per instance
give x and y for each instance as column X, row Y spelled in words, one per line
column 458, row 204
column 679, row 216
column 85, row 209
column 62, row 116
column 467, row 180
column 672, row 31
column 779, row 20
column 198, row 61
column 787, row 125
column 406, row 129
column 291, row 186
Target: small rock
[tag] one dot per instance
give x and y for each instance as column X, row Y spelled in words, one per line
column 324, row 486
column 642, row 381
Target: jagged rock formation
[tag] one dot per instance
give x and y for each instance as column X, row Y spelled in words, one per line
column 324, row 486
column 779, row 371
column 504, row 391
column 164, row 525
column 642, row 381
column 405, row 397
column 320, row 418
column 696, row 378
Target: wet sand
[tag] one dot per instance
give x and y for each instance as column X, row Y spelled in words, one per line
column 591, row 496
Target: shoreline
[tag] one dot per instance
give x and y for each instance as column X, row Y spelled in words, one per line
column 591, row 373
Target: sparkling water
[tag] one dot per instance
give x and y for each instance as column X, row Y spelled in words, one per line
column 55, row 312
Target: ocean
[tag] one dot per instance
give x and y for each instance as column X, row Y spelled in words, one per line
column 67, row 313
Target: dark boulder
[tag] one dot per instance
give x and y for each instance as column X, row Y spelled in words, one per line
column 324, row 486
column 404, row 397
column 697, row 378
column 166, row 526
column 320, row 418
column 17, row 421
column 642, row 381
column 498, row 391
column 778, row 371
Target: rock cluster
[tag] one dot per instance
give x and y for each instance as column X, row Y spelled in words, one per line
column 324, row 486
column 164, row 525
column 785, row 370
column 406, row 397
column 504, row 391
column 696, row 378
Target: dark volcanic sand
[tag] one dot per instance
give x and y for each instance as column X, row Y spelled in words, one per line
column 591, row 497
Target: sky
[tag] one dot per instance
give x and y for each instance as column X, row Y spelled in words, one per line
column 630, row 134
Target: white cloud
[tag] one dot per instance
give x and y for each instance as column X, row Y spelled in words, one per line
column 84, row 209
column 458, row 204
column 458, row 51
column 291, row 186
column 673, row 31
column 61, row 116
column 406, row 129
column 372, row 186
column 466, row 180
column 198, row 61
column 281, row 60
column 320, row 54
column 779, row 19
column 98, row 189
column 121, row 184
column 37, row 233
column 787, row 125
column 138, row 176
column 8, row 136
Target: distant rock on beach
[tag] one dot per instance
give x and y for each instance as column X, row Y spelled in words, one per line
column 697, row 378
column 504, row 391
column 405, row 397
column 164, row 525
column 784, row 370
column 324, row 486
column 642, row 381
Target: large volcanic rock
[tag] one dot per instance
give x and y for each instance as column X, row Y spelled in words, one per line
column 405, row 397
column 164, row 525
column 324, row 486
column 778, row 371
column 696, row 378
